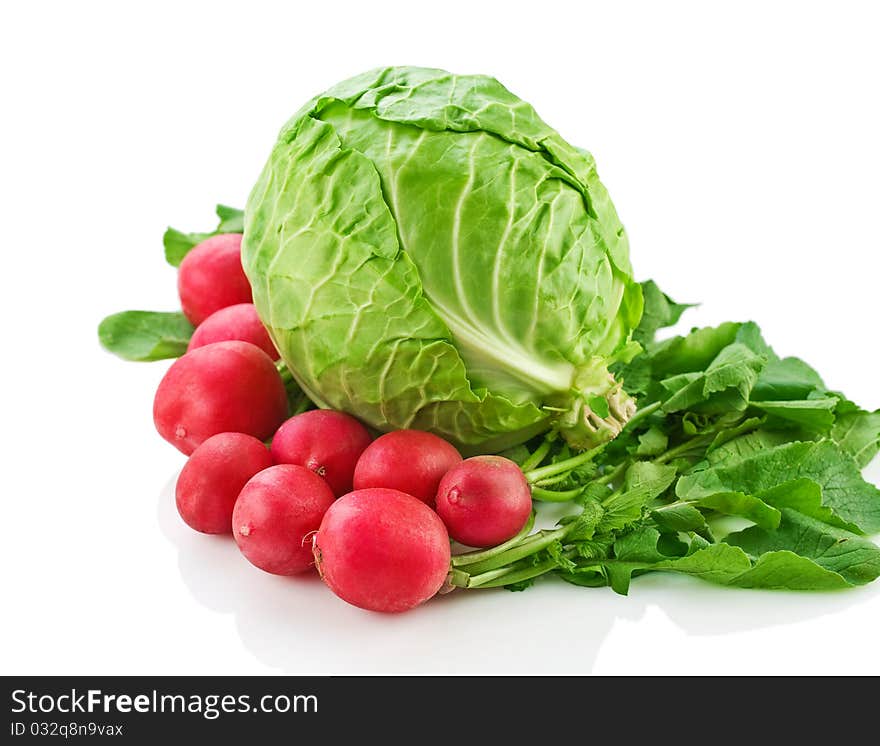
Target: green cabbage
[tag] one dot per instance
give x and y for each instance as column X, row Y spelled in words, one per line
column 427, row 253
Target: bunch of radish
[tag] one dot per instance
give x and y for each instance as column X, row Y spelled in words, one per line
column 314, row 491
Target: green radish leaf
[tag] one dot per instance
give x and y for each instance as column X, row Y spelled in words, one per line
column 814, row 414
column 749, row 334
column 636, row 375
column 231, row 219
column 724, row 386
column 716, row 563
column 857, row 432
column 727, row 434
column 639, row 545
column 638, row 552
column 145, row 335
column 745, row 446
column 178, row 244
column 743, row 505
column 693, row 352
column 660, row 311
column 727, row 564
column 844, row 491
column 854, row 558
column 785, row 570
column 788, row 379
column 585, row 577
column 652, row 442
column 644, row 482
column 805, row 496
column 679, row 517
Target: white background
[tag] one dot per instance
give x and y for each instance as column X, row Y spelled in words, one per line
column 739, row 143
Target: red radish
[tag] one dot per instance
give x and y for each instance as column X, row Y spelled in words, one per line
column 213, row 476
column 234, row 322
column 327, row 442
column 484, row 501
column 411, row 461
column 274, row 515
column 219, row 388
column 211, row 277
column 382, row 550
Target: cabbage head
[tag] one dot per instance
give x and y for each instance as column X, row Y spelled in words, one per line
column 427, row 253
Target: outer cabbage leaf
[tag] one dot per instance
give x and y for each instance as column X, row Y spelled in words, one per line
column 427, row 252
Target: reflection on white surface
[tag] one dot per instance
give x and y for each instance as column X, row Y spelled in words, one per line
column 296, row 625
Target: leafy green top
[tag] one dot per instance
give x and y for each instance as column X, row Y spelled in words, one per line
column 725, row 428
column 178, row 244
